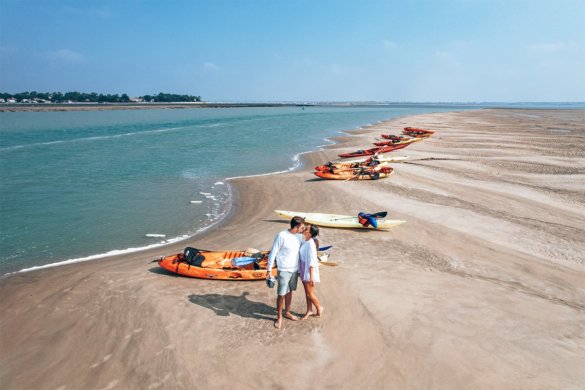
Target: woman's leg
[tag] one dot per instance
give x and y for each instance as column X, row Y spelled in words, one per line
column 309, row 311
column 314, row 300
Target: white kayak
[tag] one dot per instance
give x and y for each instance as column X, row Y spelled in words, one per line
column 380, row 157
column 335, row 220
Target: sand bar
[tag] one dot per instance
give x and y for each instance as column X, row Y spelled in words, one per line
column 483, row 287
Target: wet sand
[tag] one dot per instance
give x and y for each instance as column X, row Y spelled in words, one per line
column 483, row 287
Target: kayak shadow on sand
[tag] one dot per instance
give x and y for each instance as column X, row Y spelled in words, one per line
column 224, row 305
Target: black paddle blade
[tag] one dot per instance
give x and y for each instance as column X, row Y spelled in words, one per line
column 381, row 214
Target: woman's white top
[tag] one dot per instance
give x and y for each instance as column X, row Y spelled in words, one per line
column 309, row 259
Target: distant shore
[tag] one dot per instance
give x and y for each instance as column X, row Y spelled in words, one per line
column 129, row 106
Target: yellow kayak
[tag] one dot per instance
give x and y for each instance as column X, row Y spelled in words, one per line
column 335, row 220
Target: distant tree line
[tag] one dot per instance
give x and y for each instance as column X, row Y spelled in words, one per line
column 58, row 97
column 170, row 97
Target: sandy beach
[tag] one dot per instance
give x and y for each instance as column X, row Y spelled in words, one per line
column 482, row 288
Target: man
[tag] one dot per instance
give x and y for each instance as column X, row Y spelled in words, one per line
column 285, row 251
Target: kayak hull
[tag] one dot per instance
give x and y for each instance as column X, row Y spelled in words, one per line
column 395, row 143
column 336, row 220
column 381, row 158
column 373, row 151
column 350, row 167
column 351, row 175
column 217, row 265
column 418, row 132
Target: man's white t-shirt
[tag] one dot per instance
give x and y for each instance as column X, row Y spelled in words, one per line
column 285, row 251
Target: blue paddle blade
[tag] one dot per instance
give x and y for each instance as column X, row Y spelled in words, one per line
column 324, row 248
column 241, row 261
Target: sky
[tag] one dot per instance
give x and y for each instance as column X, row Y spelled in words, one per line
column 301, row 50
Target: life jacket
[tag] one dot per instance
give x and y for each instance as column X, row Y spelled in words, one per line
column 366, row 220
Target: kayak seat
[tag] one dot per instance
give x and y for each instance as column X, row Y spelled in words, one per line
column 193, row 256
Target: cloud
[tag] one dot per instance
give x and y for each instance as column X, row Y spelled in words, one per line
column 550, row 47
column 65, row 55
column 104, row 12
column 211, row 67
column 389, row 44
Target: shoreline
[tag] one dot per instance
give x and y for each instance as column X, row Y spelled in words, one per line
column 480, row 288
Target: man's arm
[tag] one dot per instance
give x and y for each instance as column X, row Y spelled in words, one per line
column 276, row 245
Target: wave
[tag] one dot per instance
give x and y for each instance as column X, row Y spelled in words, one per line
column 296, row 164
column 101, row 255
column 95, row 138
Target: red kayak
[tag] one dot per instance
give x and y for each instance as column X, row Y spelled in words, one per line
column 393, row 137
column 373, row 151
column 402, row 141
column 417, row 132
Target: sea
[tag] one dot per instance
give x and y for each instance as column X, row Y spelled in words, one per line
column 81, row 185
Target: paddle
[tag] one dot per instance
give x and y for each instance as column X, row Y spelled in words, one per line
column 324, row 248
column 325, row 262
column 241, row 261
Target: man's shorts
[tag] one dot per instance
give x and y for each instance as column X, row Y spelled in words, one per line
column 287, row 282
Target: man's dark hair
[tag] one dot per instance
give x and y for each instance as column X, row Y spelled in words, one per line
column 296, row 221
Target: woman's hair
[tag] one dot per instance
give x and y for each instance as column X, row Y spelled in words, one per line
column 315, row 233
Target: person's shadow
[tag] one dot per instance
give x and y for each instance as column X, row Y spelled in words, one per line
column 224, row 305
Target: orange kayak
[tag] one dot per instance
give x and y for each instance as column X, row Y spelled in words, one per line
column 363, row 174
column 335, row 167
column 217, row 265
column 417, row 132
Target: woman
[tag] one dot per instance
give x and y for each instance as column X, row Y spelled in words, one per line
column 309, row 269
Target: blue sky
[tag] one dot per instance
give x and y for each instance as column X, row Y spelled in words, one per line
column 270, row 50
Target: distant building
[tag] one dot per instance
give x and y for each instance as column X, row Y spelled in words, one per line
column 2, row 100
column 136, row 100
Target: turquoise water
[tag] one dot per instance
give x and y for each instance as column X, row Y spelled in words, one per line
column 78, row 185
